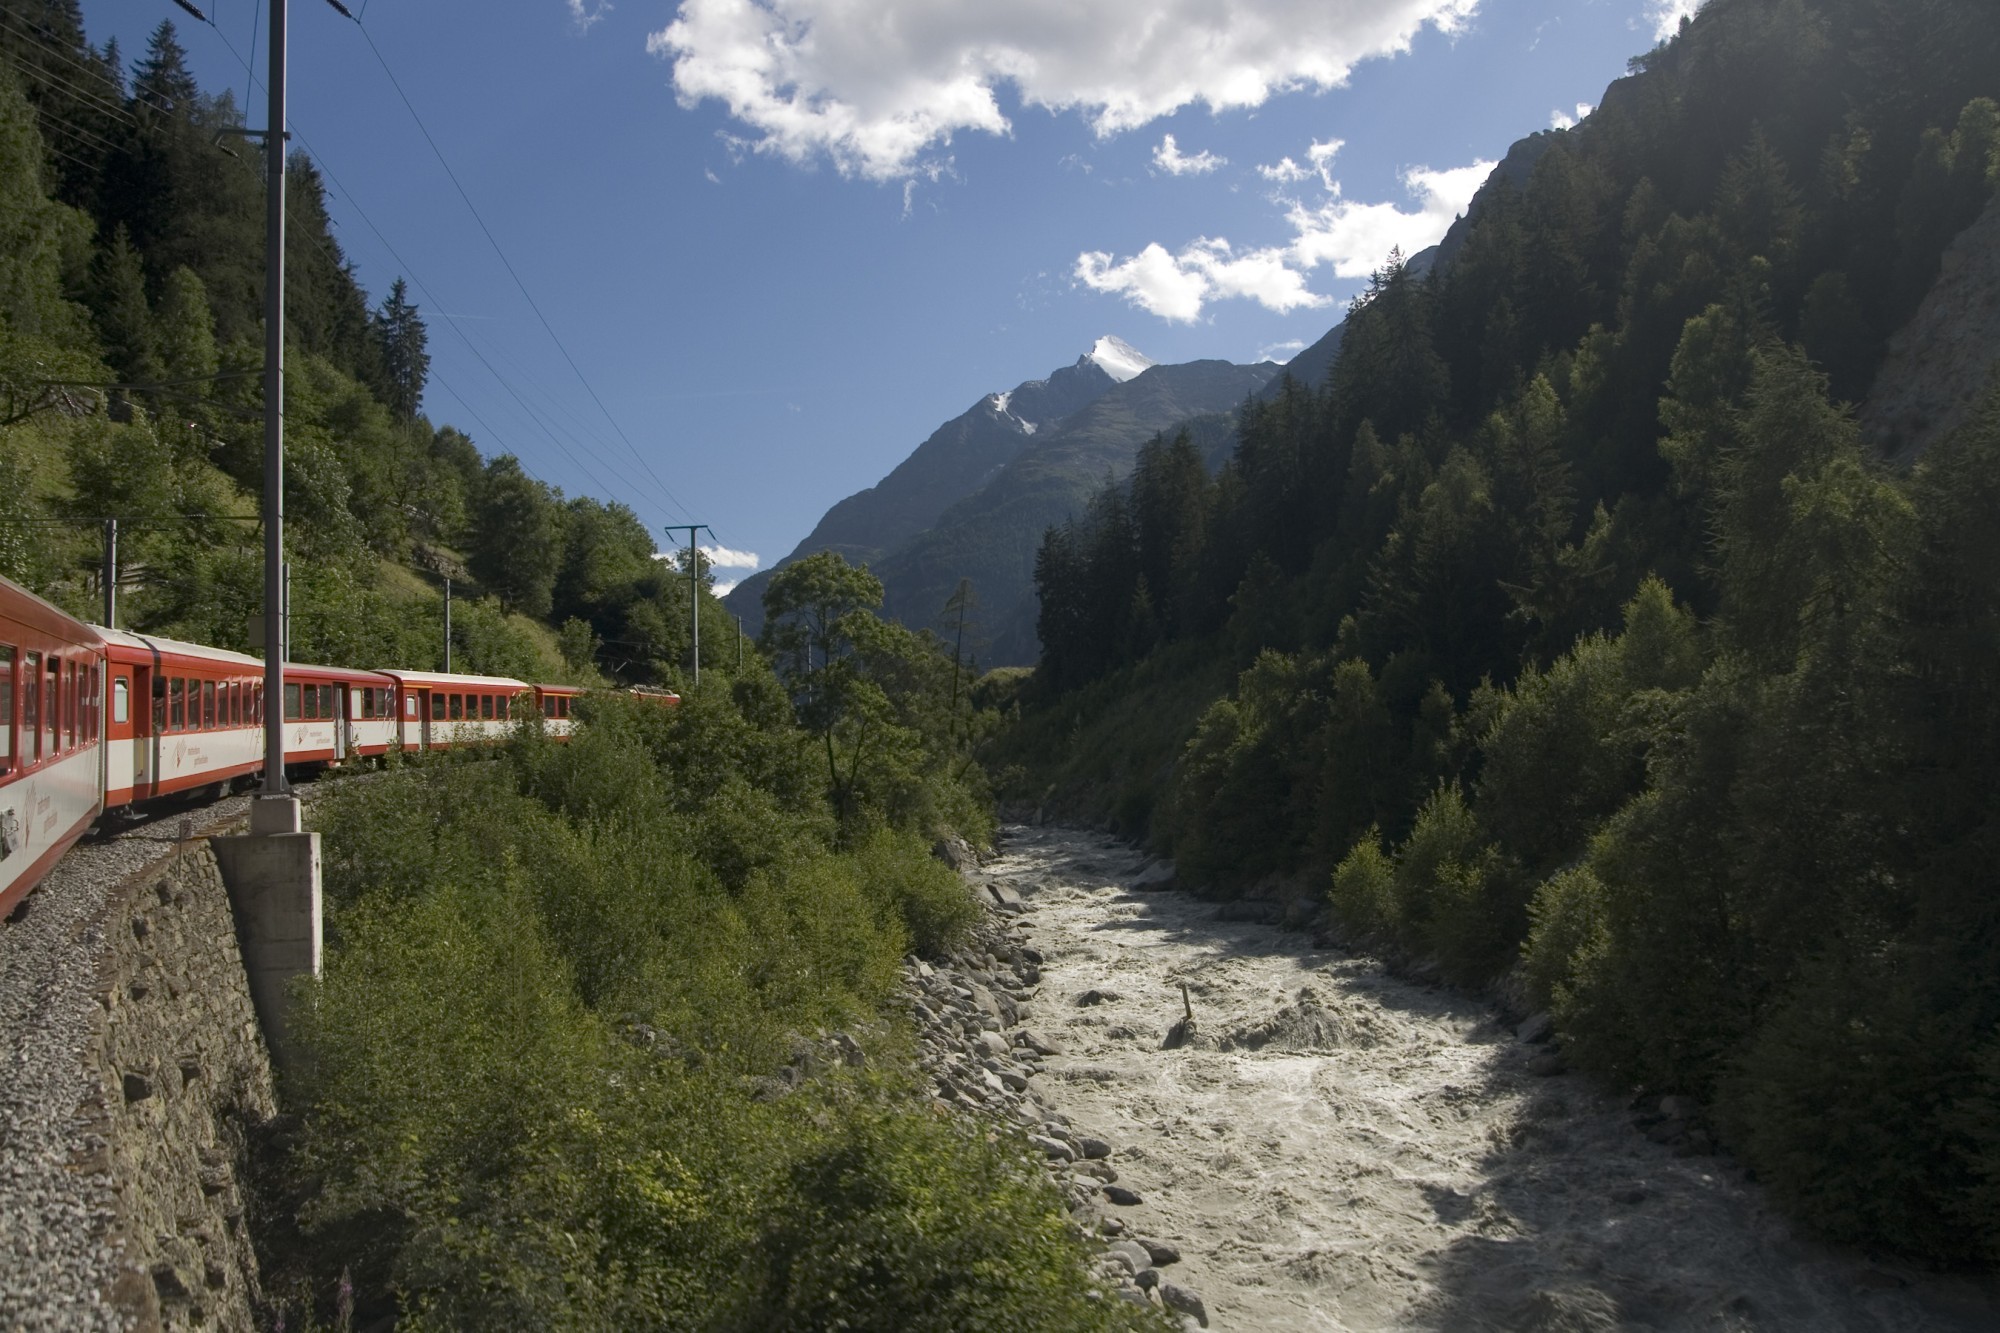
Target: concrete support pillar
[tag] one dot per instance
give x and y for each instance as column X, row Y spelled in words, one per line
column 272, row 875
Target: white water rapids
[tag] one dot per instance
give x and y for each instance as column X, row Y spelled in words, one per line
column 1376, row 1154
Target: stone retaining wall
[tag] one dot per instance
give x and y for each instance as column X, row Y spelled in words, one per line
column 185, row 1075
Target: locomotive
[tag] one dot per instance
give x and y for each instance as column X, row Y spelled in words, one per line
column 96, row 721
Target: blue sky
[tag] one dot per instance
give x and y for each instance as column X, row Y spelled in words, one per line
column 785, row 239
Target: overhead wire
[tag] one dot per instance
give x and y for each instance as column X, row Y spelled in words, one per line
column 417, row 279
column 511, row 271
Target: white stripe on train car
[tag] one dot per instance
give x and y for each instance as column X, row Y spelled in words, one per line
column 193, row 757
column 42, row 810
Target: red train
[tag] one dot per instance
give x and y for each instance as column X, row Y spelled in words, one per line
column 94, row 720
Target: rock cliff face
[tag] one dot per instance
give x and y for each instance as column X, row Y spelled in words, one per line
column 1948, row 355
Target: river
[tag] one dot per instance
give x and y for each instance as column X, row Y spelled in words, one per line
column 1341, row 1149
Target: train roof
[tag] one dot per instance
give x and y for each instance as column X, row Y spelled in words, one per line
column 18, row 604
column 155, row 643
column 436, row 678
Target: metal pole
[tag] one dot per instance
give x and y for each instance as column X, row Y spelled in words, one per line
column 275, row 589
column 111, row 573
column 447, row 626
column 694, row 587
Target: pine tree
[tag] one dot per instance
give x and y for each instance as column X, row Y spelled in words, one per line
column 162, row 81
column 406, row 364
column 184, row 334
column 124, row 319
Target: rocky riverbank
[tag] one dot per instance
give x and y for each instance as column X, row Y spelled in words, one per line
column 974, row 1015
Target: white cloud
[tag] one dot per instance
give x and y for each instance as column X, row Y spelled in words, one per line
column 721, row 589
column 721, row 557
column 1284, row 171
column 1667, row 15
column 1176, row 286
column 1280, row 352
column 874, row 85
column 713, row 179
column 1563, row 120
column 1352, row 238
column 586, row 16
column 1169, row 158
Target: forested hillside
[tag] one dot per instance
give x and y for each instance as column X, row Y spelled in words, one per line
column 131, row 303
column 1567, row 632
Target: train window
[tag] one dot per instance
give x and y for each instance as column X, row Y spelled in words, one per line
column 455, row 703
column 437, row 708
column 501, row 709
column 292, row 703
column 176, row 704
column 257, row 705
column 52, row 706
column 548, row 705
column 364, row 702
column 409, row 705
column 328, row 708
column 159, row 704
column 238, row 714
column 208, row 704
column 562, row 708
column 31, row 709
column 486, row 707
column 6, row 707
column 121, row 700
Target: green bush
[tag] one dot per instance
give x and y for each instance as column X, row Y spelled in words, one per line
column 1363, row 896
column 1565, row 930
column 905, row 1221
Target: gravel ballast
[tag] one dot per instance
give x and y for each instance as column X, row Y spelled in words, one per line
column 56, row 1216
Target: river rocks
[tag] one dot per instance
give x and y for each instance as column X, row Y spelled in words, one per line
column 956, row 853
column 1536, row 1028
column 1054, row 1149
column 1037, row 1043
column 1179, row 1298
column 1160, row 1252
column 1095, row 996
column 1130, row 1253
column 1121, row 1196
column 1094, row 1148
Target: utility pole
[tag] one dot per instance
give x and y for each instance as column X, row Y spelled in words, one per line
column 276, row 636
column 447, row 626
column 111, row 573
column 694, row 588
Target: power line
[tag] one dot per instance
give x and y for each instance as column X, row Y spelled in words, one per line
column 410, row 270
column 508, row 265
column 95, row 101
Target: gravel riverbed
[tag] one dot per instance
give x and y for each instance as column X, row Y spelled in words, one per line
column 1334, row 1148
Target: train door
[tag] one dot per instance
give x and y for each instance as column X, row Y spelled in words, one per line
column 148, row 719
column 343, row 734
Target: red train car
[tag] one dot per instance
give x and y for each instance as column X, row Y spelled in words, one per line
column 441, row 710
column 183, row 717
column 334, row 714
column 51, row 756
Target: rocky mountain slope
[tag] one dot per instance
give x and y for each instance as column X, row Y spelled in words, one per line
column 973, row 500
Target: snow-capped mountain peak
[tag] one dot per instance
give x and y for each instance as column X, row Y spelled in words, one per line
column 1118, row 358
